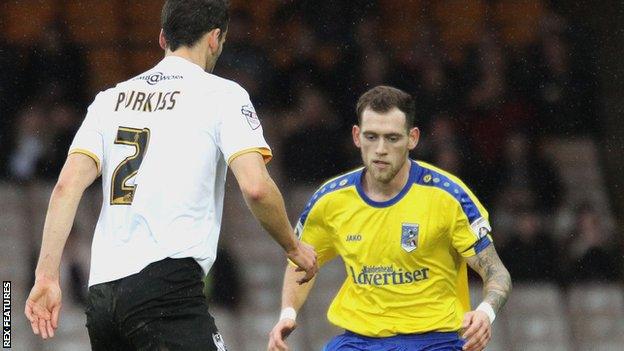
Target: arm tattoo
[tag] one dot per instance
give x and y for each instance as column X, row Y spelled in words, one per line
column 496, row 278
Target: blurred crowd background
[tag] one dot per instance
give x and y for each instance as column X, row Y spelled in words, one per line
column 511, row 97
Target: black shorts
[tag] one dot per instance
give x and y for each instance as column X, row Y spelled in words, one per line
column 160, row 308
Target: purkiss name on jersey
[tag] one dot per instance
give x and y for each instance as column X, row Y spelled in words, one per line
column 388, row 275
column 147, row 102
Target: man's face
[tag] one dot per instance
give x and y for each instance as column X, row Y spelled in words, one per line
column 385, row 142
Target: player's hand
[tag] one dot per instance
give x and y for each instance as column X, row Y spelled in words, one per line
column 477, row 330
column 304, row 257
column 277, row 336
column 43, row 307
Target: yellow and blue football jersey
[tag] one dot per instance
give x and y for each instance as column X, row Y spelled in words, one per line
column 404, row 258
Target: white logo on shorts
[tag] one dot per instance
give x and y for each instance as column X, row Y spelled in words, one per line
column 218, row 341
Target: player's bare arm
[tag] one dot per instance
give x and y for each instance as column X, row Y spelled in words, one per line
column 496, row 289
column 266, row 203
column 496, row 278
column 294, row 296
column 44, row 302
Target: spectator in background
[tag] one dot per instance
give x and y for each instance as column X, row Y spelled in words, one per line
column 293, row 59
column 367, row 40
column 445, row 147
column 591, row 253
column 30, row 144
column 421, row 69
column 435, row 91
column 375, row 68
column 46, row 130
column 56, row 66
column 63, row 119
column 335, row 72
column 564, row 88
column 10, row 97
column 491, row 110
column 530, row 253
column 333, row 19
column 525, row 177
column 490, row 88
column 368, row 36
column 243, row 61
column 371, row 55
column 312, row 142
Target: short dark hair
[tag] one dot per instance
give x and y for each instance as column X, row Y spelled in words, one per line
column 184, row 22
column 384, row 98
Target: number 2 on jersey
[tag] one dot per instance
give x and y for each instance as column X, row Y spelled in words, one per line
column 121, row 193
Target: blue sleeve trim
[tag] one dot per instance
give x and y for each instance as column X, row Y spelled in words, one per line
column 482, row 244
column 339, row 182
column 430, row 177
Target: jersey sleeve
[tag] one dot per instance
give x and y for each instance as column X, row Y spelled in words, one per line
column 470, row 226
column 89, row 139
column 239, row 129
column 312, row 228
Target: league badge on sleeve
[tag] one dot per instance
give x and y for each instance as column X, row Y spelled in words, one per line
column 409, row 236
column 252, row 117
column 480, row 227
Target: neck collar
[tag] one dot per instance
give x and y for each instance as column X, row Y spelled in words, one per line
column 413, row 175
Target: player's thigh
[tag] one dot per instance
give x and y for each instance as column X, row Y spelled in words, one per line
column 163, row 308
column 103, row 332
column 187, row 332
column 172, row 314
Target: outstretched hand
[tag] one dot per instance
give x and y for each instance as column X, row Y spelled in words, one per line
column 43, row 307
column 304, row 257
column 477, row 330
column 277, row 336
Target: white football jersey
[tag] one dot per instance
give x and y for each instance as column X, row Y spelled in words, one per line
column 162, row 141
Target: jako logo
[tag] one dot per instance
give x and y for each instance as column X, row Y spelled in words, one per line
column 354, row 237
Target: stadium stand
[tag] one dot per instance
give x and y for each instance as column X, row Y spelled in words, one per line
column 537, row 318
column 596, row 312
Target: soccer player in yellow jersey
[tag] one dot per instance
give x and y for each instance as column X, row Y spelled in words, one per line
column 405, row 231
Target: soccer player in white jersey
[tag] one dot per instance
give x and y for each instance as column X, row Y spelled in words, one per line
column 161, row 142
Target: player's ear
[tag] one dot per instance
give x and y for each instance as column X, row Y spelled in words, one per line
column 162, row 41
column 414, row 136
column 214, row 37
column 355, row 131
